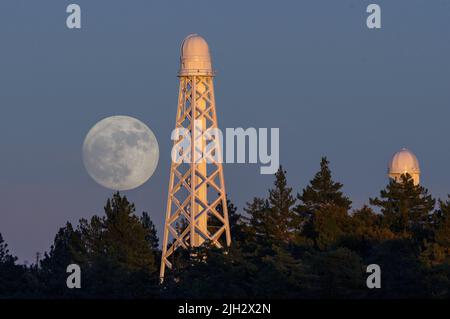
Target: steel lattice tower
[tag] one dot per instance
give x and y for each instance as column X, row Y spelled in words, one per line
column 196, row 204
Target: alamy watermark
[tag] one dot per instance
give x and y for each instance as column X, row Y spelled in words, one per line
column 249, row 145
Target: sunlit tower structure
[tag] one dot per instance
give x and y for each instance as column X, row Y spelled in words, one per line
column 402, row 162
column 196, row 205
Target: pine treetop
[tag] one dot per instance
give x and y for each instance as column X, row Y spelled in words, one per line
column 322, row 191
column 273, row 219
column 405, row 205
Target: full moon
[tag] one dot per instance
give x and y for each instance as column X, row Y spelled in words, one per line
column 120, row 153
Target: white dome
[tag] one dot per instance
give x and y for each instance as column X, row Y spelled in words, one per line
column 194, row 45
column 195, row 57
column 403, row 162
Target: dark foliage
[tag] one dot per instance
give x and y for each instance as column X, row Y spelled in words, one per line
column 309, row 246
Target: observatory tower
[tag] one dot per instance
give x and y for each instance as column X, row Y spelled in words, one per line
column 196, row 204
column 404, row 161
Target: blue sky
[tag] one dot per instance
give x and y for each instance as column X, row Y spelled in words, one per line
column 311, row 68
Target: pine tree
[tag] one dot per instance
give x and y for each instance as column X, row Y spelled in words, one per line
column 122, row 262
column 322, row 191
column 406, row 207
column 441, row 223
column 437, row 249
column 5, row 257
column 323, row 210
column 11, row 275
column 257, row 225
column 365, row 230
column 125, row 238
column 327, row 226
column 368, row 225
column 67, row 249
column 152, row 236
column 273, row 220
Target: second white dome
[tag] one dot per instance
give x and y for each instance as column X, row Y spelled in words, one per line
column 404, row 161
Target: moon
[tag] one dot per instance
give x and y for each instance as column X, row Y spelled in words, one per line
column 120, row 153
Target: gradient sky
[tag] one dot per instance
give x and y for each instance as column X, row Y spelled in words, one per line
column 311, row 68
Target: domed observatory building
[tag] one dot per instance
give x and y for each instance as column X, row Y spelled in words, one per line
column 404, row 161
column 195, row 57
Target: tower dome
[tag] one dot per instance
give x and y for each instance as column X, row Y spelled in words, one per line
column 195, row 58
column 404, row 161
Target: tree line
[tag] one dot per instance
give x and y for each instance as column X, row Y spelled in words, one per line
column 286, row 245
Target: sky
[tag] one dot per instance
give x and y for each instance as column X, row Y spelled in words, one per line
column 311, row 68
